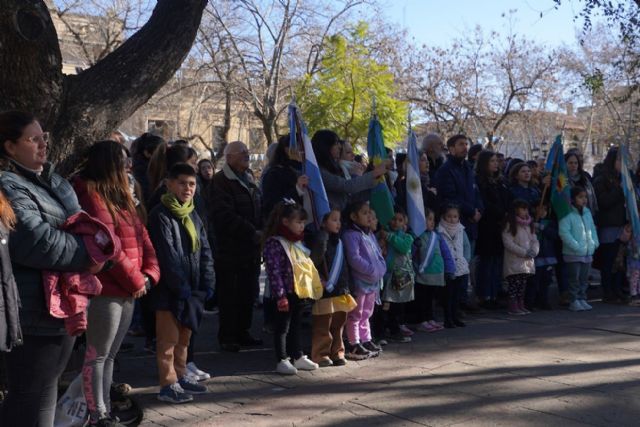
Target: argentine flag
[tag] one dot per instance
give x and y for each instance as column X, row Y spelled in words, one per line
column 316, row 201
column 415, row 203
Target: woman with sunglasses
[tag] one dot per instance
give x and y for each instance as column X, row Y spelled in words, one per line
column 42, row 201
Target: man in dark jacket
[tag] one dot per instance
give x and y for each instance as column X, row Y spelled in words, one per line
column 456, row 183
column 236, row 216
column 433, row 145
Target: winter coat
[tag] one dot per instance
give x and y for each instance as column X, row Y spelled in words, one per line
column 279, row 182
column 10, row 330
column 366, row 263
column 339, row 189
column 198, row 200
column 441, row 262
column 278, row 268
column 67, row 294
column 399, row 244
column 236, row 216
column 495, row 198
column 515, row 259
column 456, row 183
column 459, row 247
column 578, row 233
column 323, row 251
column 529, row 194
column 186, row 277
column 42, row 203
column 137, row 257
column 548, row 238
column 612, row 211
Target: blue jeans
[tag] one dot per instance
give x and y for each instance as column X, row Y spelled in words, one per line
column 488, row 277
column 578, row 274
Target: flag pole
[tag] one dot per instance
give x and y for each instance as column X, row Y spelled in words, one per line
column 545, row 190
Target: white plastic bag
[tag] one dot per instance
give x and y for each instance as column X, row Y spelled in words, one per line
column 71, row 409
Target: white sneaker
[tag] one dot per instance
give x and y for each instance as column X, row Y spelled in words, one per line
column 576, row 306
column 304, row 364
column 197, row 373
column 585, row 305
column 286, row 368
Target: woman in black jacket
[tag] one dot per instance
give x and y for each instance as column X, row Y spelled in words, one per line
column 495, row 196
column 283, row 179
column 42, row 201
column 611, row 219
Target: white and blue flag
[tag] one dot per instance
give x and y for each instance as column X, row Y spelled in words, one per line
column 317, row 202
column 415, row 203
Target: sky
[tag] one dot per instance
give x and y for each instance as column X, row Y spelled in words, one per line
column 437, row 22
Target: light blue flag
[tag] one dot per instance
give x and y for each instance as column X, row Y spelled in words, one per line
column 381, row 200
column 415, row 203
column 630, row 195
column 318, row 202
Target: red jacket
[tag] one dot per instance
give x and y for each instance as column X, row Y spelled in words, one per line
column 67, row 293
column 137, row 256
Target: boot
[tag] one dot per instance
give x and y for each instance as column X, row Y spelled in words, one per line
column 514, row 307
column 521, row 306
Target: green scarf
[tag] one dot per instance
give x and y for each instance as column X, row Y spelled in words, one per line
column 182, row 212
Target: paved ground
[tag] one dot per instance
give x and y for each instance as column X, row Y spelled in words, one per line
column 545, row 369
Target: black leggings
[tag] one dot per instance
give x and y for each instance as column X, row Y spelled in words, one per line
column 425, row 296
column 451, row 297
column 286, row 334
column 33, row 370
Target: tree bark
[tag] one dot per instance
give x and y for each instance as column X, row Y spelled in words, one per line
column 80, row 109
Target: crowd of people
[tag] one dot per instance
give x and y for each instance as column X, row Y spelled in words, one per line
column 128, row 243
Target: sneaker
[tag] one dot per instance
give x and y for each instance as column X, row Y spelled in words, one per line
column 357, row 352
column 200, row 375
column 325, row 363
column 382, row 342
column 304, row 364
column 585, row 305
column 576, row 306
column 371, row 346
column 190, row 385
column 339, row 362
column 285, row 367
column 174, row 394
column 399, row 337
column 406, row 331
column 427, row 327
column 437, row 325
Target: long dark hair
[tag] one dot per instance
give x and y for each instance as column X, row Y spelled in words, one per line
column 323, row 141
column 146, row 142
column 511, row 220
column 104, row 171
column 352, row 208
column 482, row 167
column 281, row 211
column 609, row 165
column 280, row 156
column 163, row 159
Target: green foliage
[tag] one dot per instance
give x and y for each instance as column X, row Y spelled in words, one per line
column 340, row 96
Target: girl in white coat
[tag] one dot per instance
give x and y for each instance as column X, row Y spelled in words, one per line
column 520, row 249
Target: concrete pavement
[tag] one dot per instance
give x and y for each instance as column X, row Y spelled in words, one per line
column 545, row 369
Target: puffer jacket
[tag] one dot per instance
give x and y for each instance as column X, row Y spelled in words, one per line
column 42, row 203
column 367, row 265
column 236, row 216
column 516, row 247
column 578, row 233
column 137, row 257
column 183, row 272
column 10, row 330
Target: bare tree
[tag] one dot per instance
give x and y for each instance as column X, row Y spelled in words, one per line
column 276, row 43
column 78, row 109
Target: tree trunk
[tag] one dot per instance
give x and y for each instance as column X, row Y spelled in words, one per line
column 80, row 109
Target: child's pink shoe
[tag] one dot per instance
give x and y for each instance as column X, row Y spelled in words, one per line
column 406, row 331
column 437, row 325
column 426, row 327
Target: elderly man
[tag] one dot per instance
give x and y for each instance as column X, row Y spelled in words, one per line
column 433, row 145
column 236, row 216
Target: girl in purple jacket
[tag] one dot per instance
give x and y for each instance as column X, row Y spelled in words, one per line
column 367, row 266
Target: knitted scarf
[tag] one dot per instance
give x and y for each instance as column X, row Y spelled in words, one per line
column 288, row 234
column 524, row 222
column 451, row 228
column 182, row 212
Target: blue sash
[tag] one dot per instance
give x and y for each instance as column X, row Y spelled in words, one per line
column 430, row 250
column 336, row 268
